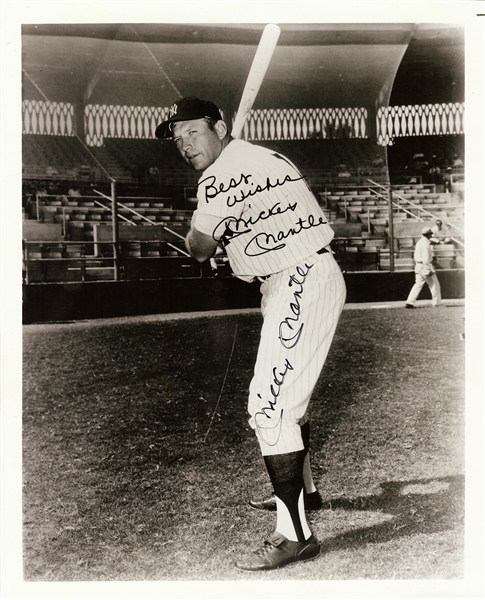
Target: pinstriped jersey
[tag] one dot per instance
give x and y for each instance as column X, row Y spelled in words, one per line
column 256, row 202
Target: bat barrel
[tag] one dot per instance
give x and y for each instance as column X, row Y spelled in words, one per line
column 259, row 66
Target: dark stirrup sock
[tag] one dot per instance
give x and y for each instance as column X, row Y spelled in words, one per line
column 286, row 474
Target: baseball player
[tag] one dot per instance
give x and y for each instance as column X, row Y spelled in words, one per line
column 439, row 235
column 256, row 203
column 424, row 270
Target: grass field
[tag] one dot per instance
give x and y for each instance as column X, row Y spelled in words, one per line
column 127, row 477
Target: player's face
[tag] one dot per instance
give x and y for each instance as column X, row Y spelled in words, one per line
column 197, row 143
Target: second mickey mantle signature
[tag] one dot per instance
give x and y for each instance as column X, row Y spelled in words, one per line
column 290, row 328
column 268, row 425
column 268, row 420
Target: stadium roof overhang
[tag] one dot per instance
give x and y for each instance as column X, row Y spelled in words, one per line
column 314, row 65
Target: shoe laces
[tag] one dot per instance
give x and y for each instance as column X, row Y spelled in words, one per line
column 265, row 548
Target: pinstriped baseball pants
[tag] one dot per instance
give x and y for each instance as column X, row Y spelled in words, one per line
column 301, row 307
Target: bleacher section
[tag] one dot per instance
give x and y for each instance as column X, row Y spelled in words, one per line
column 155, row 191
column 151, row 161
column 56, row 157
column 145, row 161
column 368, row 207
column 129, row 160
column 94, row 209
column 126, row 160
column 52, row 254
column 152, row 231
column 443, row 147
column 325, row 154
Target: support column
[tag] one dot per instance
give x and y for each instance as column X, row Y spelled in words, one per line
column 78, row 123
column 372, row 122
column 391, row 230
column 116, row 245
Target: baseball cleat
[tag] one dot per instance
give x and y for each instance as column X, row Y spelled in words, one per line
column 278, row 551
column 312, row 501
column 409, row 305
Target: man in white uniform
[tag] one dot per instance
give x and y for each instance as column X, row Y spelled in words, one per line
column 439, row 234
column 424, row 270
column 256, row 203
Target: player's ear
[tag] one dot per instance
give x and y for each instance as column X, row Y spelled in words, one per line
column 221, row 129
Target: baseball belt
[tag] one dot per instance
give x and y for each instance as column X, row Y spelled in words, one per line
column 265, row 277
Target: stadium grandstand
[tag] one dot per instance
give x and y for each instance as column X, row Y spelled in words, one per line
column 372, row 114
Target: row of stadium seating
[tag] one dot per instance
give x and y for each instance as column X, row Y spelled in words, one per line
column 361, row 204
column 350, row 201
column 56, row 250
column 357, row 155
column 46, row 262
column 358, row 215
column 369, row 206
column 144, row 160
column 81, row 270
column 132, row 213
column 54, row 150
column 88, row 262
column 127, row 159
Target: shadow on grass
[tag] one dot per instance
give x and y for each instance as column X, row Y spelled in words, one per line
column 419, row 506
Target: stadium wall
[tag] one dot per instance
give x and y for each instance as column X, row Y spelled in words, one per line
column 94, row 300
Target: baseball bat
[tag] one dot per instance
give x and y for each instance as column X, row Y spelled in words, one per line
column 256, row 75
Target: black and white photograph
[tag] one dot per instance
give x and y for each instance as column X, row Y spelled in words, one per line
column 242, row 299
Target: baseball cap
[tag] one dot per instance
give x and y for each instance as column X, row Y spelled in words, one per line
column 187, row 109
column 426, row 230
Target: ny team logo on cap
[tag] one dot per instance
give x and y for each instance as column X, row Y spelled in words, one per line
column 173, row 110
column 187, row 109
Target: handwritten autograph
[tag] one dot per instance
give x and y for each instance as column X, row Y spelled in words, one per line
column 290, row 330
column 272, row 428
column 286, row 334
column 262, row 243
column 211, row 190
column 241, row 225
